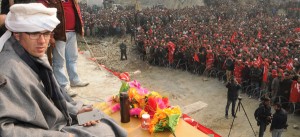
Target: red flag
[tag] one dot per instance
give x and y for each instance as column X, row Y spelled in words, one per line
column 289, row 65
column 196, row 58
column 265, row 73
column 171, row 48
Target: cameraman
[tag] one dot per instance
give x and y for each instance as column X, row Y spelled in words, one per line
column 263, row 115
column 232, row 95
column 279, row 120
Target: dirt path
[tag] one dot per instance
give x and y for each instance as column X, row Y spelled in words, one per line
column 184, row 88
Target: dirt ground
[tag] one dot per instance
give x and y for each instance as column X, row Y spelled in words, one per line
column 184, row 88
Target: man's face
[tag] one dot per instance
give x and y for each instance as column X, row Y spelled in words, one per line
column 35, row 43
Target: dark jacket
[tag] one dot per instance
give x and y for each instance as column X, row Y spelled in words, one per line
column 246, row 73
column 263, row 113
column 255, row 74
column 229, row 64
column 123, row 46
column 232, row 92
column 279, row 120
column 60, row 30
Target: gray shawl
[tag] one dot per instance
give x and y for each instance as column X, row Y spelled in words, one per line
column 25, row 110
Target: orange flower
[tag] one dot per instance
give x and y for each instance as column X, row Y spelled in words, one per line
column 132, row 92
column 151, row 128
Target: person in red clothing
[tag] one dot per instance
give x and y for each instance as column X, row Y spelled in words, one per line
column 238, row 67
column 209, row 59
column 295, row 91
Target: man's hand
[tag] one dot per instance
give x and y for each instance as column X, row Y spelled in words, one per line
column 87, row 109
column 71, row 135
column 91, row 123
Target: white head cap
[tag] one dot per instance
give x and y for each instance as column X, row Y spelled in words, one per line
column 32, row 17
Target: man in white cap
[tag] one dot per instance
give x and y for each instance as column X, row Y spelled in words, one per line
column 32, row 102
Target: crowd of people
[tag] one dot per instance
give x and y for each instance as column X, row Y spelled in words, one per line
column 253, row 43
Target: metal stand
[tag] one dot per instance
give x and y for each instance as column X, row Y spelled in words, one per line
column 238, row 108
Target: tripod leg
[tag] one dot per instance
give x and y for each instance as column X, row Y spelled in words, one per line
column 247, row 118
column 234, row 117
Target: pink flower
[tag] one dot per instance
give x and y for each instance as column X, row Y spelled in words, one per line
column 161, row 104
column 115, row 108
column 135, row 111
column 142, row 91
column 134, row 84
column 137, row 85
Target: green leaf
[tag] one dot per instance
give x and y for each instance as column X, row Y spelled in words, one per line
column 171, row 124
column 173, row 121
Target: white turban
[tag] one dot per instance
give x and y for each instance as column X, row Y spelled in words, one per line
column 32, row 17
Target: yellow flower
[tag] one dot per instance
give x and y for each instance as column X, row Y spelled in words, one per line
column 135, row 105
column 155, row 94
column 132, row 92
column 173, row 110
column 162, row 115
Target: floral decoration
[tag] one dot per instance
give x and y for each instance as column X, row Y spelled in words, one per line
column 163, row 116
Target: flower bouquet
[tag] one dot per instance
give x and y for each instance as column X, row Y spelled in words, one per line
column 163, row 116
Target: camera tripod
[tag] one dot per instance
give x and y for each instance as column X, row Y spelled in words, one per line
column 238, row 108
